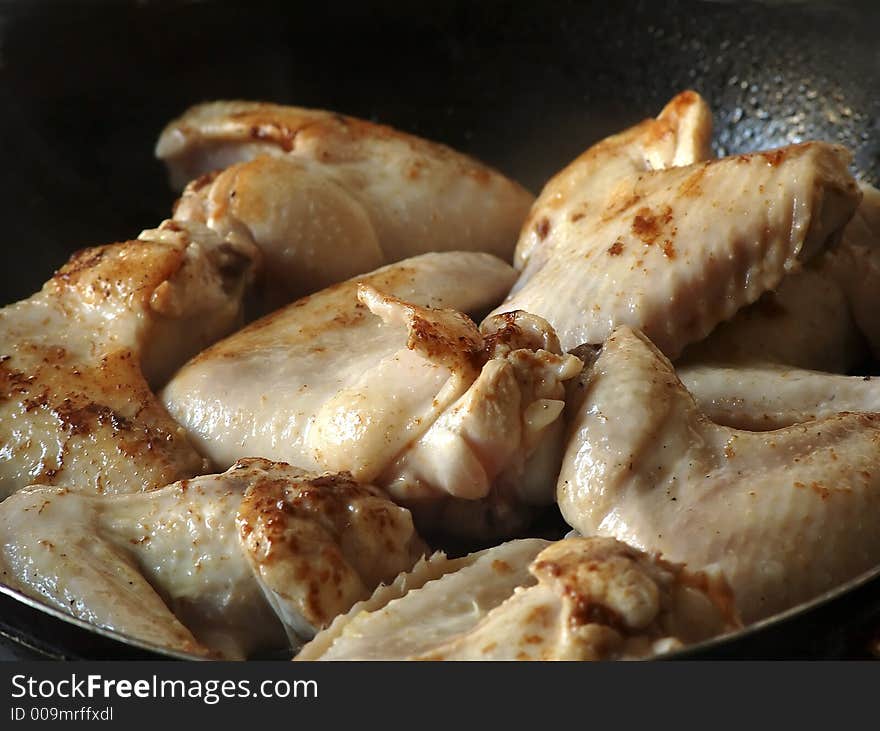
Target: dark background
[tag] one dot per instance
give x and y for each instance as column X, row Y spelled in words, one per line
column 85, row 88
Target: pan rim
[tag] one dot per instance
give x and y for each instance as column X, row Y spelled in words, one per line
column 692, row 651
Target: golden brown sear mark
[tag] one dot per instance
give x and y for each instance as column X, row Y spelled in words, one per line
column 542, row 227
column 647, row 224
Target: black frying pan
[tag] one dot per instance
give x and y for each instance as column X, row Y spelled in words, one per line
column 85, row 88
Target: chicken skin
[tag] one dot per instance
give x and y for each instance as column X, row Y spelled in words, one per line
column 307, row 321
column 326, row 197
column 784, row 514
column 79, row 358
column 821, row 317
column 762, row 397
column 221, row 565
column 576, row 599
column 855, row 266
column 807, row 322
column 679, row 136
column 384, row 377
column 677, row 250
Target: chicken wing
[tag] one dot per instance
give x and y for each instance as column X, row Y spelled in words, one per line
column 819, row 318
column 680, row 135
column 78, row 359
column 855, row 266
column 767, row 396
column 784, row 514
column 326, row 196
column 383, row 377
column 220, row 565
column 807, row 322
column 674, row 251
column 576, row 599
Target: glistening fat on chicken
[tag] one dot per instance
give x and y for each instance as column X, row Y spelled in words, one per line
column 79, row 359
column 325, row 196
column 385, row 377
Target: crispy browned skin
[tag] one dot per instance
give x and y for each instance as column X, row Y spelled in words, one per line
column 321, row 543
column 76, row 408
column 257, row 391
column 363, row 377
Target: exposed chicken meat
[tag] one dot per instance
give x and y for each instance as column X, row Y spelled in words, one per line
column 577, row 599
column 362, row 377
column 326, row 196
column 765, row 397
column 220, row 564
column 79, row 358
column 676, row 251
column 784, row 514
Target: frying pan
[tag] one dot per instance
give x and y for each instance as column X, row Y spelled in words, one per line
column 86, row 87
